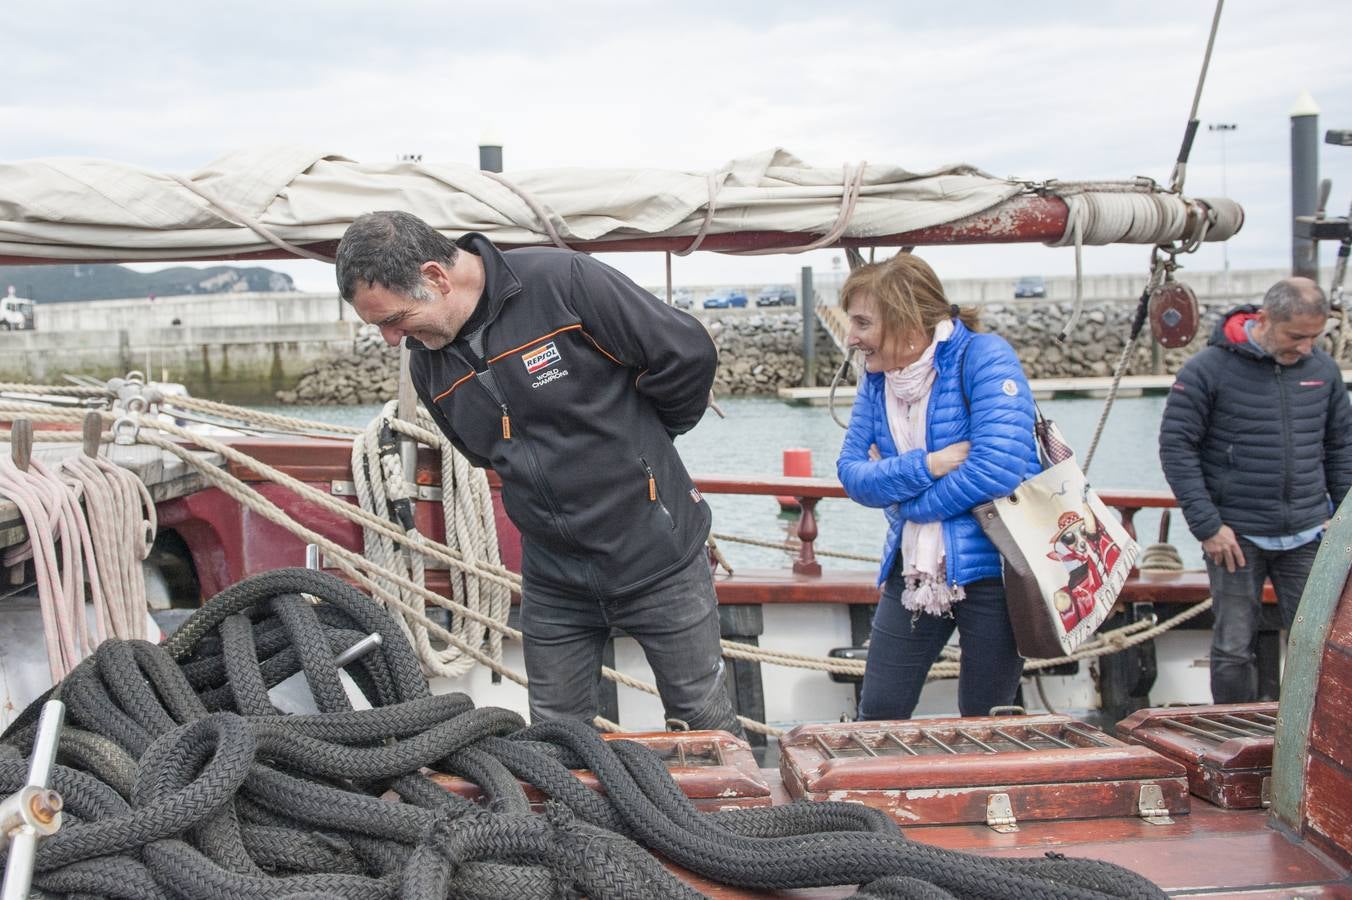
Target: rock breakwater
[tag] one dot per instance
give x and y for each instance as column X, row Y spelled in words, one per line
column 761, row 351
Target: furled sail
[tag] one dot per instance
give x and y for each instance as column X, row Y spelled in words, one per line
column 267, row 203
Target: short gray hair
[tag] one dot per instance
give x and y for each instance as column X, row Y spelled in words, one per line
column 388, row 248
column 1292, row 297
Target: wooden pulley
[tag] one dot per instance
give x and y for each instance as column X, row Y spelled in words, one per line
column 1174, row 315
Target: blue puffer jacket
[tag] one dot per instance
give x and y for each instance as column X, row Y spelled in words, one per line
column 985, row 400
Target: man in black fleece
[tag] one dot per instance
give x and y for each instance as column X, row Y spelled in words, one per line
column 1256, row 444
column 571, row 383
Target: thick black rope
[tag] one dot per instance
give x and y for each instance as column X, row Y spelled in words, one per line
column 181, row 779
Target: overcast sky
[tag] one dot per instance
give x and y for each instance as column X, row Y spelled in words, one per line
column 1032, row 89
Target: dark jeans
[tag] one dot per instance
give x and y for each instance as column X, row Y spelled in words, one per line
column 903, row 646
column 676, row 623
column 1236, row 600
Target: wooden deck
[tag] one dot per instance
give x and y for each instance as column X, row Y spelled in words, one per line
column 1210, row 853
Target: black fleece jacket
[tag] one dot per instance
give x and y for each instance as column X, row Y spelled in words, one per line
column 1250, row 443
column 570, row 381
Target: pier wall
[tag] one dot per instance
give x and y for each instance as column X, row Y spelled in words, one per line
column 233, row 364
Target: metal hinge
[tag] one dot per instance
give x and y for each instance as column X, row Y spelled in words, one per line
column 417, row 491
column 1150, row 805
column 1000, row 814
column 1265, row 792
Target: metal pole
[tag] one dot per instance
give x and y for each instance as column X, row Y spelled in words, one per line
column 1304, row 182
column 809, row 329
column 1222, row 128
column 490, row 157
column 408, row 411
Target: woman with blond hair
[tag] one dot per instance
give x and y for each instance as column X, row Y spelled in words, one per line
column 942, row 422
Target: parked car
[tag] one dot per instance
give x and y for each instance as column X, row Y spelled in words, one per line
column 1030, row 286
column 681, row 298
column 725, row 300
column 776, row 296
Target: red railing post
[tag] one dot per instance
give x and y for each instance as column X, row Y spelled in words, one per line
column 806, row 563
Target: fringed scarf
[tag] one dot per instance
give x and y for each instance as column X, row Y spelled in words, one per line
column 922, row 544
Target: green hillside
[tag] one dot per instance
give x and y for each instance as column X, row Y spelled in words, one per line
column 61, row 284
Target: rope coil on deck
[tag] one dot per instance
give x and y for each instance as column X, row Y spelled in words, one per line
column 182, row 780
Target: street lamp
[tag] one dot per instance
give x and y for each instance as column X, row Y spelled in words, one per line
column 1223, row 128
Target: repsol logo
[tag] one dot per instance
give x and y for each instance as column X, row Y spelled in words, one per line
column 541, row 357
column 551, row 375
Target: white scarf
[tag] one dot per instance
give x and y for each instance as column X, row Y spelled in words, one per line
column 922, row 544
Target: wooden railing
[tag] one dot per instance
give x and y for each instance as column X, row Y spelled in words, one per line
column 809, row 491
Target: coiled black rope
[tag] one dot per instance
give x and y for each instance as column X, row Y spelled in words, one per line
column 181, row 779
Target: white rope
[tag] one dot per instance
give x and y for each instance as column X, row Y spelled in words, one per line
column 391, row 588
column 543, row 213
column 711, row 182
column 470, row 529
column 239, row 217
column 51, row 514
column 122, row 525
column 850, row 186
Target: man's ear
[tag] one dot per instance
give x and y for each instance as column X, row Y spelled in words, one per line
column 438, row 275
column 1264, row 320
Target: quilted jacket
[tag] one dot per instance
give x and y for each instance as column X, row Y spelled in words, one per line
column 1249, row 443
column 984, row 399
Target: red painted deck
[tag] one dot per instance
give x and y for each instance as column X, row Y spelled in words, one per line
column 1211, row 853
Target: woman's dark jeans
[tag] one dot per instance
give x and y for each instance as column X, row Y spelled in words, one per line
column 903, row 646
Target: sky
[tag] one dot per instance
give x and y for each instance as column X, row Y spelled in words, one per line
column 1034, row 89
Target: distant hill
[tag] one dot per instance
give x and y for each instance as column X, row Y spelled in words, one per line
column 62, row 284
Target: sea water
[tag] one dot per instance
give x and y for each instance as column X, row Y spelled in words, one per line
column 751, row 439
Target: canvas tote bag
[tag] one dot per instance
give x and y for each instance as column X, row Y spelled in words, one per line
column 1066, row 554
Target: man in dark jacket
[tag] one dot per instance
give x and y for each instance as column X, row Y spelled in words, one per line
column 1256, row 446
column 570, row 382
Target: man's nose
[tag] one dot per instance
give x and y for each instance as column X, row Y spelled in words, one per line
column 391, row 335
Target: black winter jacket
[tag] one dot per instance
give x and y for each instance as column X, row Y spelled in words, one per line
column 583, row 380
column 1250, row 443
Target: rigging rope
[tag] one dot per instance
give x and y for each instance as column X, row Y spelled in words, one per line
column 55, row 525
column 394, row 589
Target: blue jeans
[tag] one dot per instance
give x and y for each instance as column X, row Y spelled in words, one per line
column 903, row 646
column 675, row 621
column 1236, row 599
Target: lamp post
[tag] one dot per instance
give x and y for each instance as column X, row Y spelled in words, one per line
column 1223, row 128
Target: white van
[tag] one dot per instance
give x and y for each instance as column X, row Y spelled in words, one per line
column 16, row 313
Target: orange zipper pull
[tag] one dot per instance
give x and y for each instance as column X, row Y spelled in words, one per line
column 506, row 428
column 652, row 488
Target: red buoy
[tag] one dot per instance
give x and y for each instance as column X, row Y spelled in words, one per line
column 797, row 464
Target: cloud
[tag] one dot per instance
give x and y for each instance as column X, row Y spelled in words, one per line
column 1054, row 89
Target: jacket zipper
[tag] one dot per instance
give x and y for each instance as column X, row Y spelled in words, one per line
column 654, row 496
column 486, row 381
column 1286, row 457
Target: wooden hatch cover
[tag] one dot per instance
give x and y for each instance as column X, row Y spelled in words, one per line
column 714, row 769
column 1227, row 748
column 997, row 770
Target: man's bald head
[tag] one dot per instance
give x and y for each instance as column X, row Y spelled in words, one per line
column 1295, row 296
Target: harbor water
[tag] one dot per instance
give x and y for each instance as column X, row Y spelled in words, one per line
column 751, row 440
